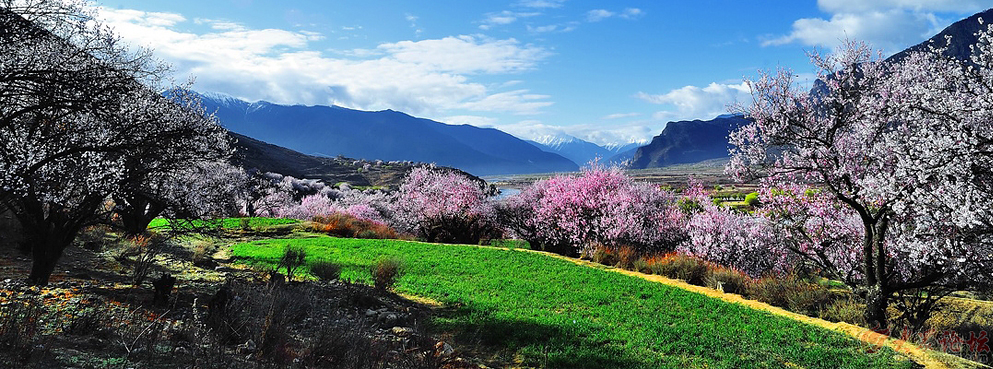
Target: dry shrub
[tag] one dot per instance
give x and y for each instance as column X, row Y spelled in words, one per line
column 202, row 256
column 792, row 293
column 344, row 225
column 691, row 269
column 727, row 280
column 241, row 311
column 626, row 256
column 385, row 272
column 293, row 258
column 641, row 265
column 20, row 326
column 846, row 310
column 145, row 249
column 325, row 270
column 605, row 256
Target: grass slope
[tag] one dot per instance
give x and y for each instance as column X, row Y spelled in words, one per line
column 225, row 223
column 542, row 311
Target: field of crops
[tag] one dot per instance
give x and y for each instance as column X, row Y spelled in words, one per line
column 534, row 310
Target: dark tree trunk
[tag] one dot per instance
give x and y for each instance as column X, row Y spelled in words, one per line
column 136, row 214
column 877, row 299
column 877, row 283
column 49, row 229
column 46, row 249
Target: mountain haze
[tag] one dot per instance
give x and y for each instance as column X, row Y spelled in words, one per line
column 383, row 135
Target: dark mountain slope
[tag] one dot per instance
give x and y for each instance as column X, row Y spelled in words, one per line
column 688, row 142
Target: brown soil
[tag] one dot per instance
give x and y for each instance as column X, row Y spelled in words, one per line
column 221, row 315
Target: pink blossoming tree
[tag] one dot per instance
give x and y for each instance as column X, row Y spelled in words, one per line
column 444, row 206
column 599, row 207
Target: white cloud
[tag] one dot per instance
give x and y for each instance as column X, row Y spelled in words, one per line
column 631, row 13
column 146, row 19
column 597, row 15
column 890, row 25
column 467, row 54
column 560, row 28
column 474, row 120
column 418, row 77
column 519, row 102
column 621, row 115
column 693, row 102
column 541, row 3
column 503, row 18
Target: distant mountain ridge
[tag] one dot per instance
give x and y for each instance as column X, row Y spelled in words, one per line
column 578, row 150
column 383, row 135
column 686, row 142
column 962, row 33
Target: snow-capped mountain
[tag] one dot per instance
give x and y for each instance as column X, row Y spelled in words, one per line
column 578, row 150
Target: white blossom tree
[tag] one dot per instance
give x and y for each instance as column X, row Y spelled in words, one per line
column 181, row 169
column 75, row 107
column 904, row 146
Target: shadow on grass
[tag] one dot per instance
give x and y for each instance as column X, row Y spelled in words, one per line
column 519, row 342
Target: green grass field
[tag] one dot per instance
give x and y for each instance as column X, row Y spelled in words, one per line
column 227, row 223
column 541, row 311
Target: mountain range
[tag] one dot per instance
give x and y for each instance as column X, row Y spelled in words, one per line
column 694, row 141
column 383, row 135
column 581, row 151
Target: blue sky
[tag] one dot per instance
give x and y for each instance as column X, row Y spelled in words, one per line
column 610, row 72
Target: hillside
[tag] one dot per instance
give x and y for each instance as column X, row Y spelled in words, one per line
column 254, row 154
column 962, row 33
column 688, row 142
column 383, row 135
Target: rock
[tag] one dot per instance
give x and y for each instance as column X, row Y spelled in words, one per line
column 402, row 331
column 247, row 347
column 370, row 313
column 388, row 319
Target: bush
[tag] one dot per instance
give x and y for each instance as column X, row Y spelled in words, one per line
column 792, row 293
column 202, row 256
column 293, row 258
column 385, row 272
column 344, row 225
column 325, row 270
column 844, row 310
column 145, row 248
column 601, row 255
column 727, row 280
column 20, row 323
column 626, row 256
column 752, row 199
column 641, row 265
column 680, row 266
column 241, row 311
